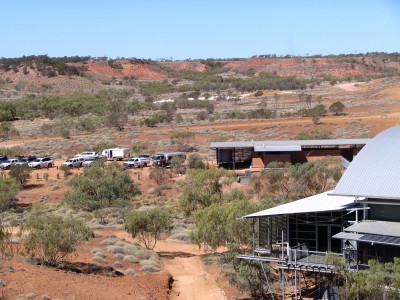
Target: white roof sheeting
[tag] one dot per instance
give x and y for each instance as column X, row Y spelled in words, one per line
column 301, row 143
column 375, row 171
column 369, row 238
column 318, row 203
column 347, row 236
column 376, row 227
column 276, row 148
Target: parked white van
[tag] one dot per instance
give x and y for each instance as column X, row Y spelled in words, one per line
column 116, row 153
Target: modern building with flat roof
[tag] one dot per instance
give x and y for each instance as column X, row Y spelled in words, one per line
column 243, row 154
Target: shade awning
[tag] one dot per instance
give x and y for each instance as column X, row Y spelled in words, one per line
column 347, row 236
column 369, row 238
column 376, row 227
column 277, row 148
column 317, row 203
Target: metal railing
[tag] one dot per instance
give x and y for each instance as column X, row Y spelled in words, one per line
column 300, row 256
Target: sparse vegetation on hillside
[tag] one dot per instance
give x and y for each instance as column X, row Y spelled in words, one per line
column 202, row 201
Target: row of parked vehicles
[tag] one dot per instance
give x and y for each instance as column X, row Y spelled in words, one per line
column 87, row 158
column 31, row 161
column 159, row 159
column 140, row 161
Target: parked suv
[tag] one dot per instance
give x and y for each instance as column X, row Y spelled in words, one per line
column 8, row 163
column 41, row 162
column 86, row 155
column 73, row 162
column 89, row 161
column 3, row 158
column 23, row 160
column 137, row 162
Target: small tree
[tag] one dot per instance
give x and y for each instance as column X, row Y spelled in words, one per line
column 218, row 225
column 248, row 275
column 308, row 99
column 66, row 171
column 101, row 186
column 139, row 148
column 159, row 175
column 148, row 225
column 195, row 161
column 52, row 238
column 117, row 120
column 7, row 130
column 21, row 173
column 337, row 108
column 315, row 120
column 8, row 189
column 182, row 140
column 203, row 187
column 7, row 249
column 177, row 164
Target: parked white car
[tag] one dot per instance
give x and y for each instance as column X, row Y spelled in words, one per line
column 41, row 162
column 22, row 161
column 137, row 162
column 86, row 155
column 88, row 162
column 73, row 162
column 8, row 163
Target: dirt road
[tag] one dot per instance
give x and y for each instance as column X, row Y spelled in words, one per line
column 191, row 279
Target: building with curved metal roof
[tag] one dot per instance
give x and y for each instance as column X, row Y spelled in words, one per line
column 375, row 171
column 359, row 219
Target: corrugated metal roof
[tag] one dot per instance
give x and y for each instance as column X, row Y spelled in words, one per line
column 369, row 238
column 317, row 203
column 347, row 236
column 376, row 227
column 276, row 148
column 301, row 143
column 375, row 171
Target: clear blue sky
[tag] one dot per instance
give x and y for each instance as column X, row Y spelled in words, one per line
column 197, row 29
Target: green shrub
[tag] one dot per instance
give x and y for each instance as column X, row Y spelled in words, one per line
column 119, row 256
column 115, row 249
column 149, row 269
column 8, row 190
column 95, row 250
column 100, row 187
column 52, row 238
column 130, row 249
column 130, row 272
column 195, row 161
column 149, row 262
column 109, row 241
column 148, row 225
column 98, row 259
column 131, row 259
column 22, row 173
